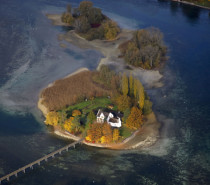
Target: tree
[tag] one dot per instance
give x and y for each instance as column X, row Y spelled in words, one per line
column 81, row 25
column 126, row 114
column 131, row 84
column 125, row 85
column 62, row 116
column 76, row 113
column 146, row 49
column 52, row 118
column 68, row 8
column 116, row 135
column 95, row 16
column 134, row 120
column 107, row 133
column 123, row 102
column 76, row 124
column 84, row 8
column 111, row 30
column 95, row 132
column 68, row 125
column 91, row 117
column 67, row 18
column 147, row 107
column 141, row 95
column 135, row 88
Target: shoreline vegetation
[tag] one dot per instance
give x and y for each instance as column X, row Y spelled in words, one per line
column 125, row 93
column 145, row 136
column 198, row 3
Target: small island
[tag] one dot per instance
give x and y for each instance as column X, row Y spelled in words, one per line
column 108, row 108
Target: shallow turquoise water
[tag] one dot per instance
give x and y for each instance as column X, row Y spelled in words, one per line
column 31, row 58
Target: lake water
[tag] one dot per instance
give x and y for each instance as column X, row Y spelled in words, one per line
column 31, row 58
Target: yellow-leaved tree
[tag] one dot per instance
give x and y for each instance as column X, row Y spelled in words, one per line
column 141, row 94
column 134, row 120
column 68, row 125
column 76, row 113
column 111, row 30
column 116, row 135
column 52, row 118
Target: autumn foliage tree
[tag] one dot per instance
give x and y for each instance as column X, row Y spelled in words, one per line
column 123, row 102
column 111, row 29
column 94, row 134
column 134, row 120
column 68, row 124
column 52, row 118
column 107, row 133
column 146, row 49
column 76, row 113
column 116, row 135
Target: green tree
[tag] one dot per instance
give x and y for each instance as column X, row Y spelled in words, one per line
column 147, row 107
column 125, row 85
column 76, row 124
column 91, row 117
column 95, row 16
column 84, row 8
column 62, row 116
column 81, row 25
column 126, row 114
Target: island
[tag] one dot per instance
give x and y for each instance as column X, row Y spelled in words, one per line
column 108, row 108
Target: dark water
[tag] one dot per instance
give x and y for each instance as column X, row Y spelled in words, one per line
column 31, row 58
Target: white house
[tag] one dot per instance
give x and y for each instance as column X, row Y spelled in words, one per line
column 109, row 117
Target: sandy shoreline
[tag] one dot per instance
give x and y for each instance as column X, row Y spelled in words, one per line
column 145, row 136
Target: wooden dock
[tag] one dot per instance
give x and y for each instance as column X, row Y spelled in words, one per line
column 45, row 158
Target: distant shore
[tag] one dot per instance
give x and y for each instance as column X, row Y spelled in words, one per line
column 148, row 134
column 192, row 4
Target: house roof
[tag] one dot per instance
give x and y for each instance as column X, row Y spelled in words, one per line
column 100, row 112
column 113, row 120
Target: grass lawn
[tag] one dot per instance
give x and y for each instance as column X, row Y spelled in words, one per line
column 87, row 106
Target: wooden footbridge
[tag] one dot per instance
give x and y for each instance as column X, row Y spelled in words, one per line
column 45, row 158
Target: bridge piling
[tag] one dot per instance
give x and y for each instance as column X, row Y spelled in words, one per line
column 45, row 158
